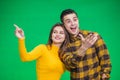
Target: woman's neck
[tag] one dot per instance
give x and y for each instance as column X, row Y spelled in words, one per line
column 57, row 44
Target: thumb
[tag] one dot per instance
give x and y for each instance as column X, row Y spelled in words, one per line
column 82, row 38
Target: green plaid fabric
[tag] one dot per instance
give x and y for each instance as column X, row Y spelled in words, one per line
column 91, row 66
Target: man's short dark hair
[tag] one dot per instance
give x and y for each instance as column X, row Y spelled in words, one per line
column 66, row 12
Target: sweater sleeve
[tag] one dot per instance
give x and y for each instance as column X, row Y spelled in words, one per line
column 29, row 56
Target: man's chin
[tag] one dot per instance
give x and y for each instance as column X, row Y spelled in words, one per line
column 74, row 33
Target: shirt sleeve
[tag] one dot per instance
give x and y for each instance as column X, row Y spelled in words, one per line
column 71, row 60
column 103, row 56
column 29, row 56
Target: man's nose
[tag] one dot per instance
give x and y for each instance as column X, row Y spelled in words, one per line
column 72, row 22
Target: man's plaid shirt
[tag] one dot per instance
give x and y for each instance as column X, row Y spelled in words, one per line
column 92, row 65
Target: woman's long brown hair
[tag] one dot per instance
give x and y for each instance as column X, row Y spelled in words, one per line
column 65, row 42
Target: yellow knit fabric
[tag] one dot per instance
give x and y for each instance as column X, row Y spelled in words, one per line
column 48, row 65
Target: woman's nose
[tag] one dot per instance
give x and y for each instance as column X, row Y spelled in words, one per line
column 57, row 35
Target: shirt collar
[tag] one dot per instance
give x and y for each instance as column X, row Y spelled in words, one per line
column 74, row 38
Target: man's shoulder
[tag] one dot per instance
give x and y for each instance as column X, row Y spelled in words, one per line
column 87, row 32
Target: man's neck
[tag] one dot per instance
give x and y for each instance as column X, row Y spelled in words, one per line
column 76, row 33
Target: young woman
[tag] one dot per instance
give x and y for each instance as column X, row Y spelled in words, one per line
column 48, row 66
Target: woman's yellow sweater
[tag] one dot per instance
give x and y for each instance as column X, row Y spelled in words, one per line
column 48, row 65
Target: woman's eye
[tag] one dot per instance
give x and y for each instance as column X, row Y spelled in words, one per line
column 61, row 32
column 54, row 32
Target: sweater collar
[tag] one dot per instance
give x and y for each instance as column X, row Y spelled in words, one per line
column 54, row 47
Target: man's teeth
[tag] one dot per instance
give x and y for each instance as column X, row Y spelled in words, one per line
column 73, row 29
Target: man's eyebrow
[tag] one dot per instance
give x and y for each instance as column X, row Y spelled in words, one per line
column 67, row 19
column 74, row 17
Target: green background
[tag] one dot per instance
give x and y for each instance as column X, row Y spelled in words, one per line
column 36, row 17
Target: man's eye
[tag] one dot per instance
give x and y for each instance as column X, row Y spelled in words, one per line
column 68, row 21
column 75, row 19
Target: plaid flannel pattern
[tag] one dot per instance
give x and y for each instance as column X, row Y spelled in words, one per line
column 91, row 66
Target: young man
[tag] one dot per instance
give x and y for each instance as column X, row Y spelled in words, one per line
column 90, row 62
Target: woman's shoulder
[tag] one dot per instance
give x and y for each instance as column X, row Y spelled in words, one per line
column 42, row 45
